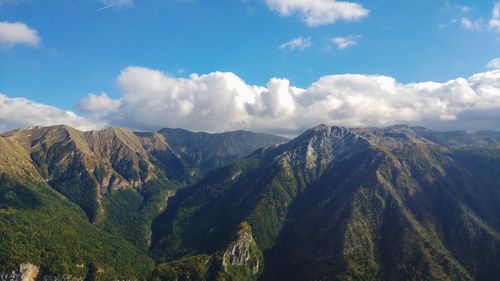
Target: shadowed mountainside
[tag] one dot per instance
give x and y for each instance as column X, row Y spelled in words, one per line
column 398, row 203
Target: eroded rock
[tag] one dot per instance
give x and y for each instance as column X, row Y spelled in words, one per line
column 31, row 272
column 243, row 251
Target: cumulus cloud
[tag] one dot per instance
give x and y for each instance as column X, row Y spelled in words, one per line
column 219, row 101
column 13, row 33
column 300, row 43
column 495, row 19
column 494, row 64
column 345, row 42
column 151, row 100
column 21, row 112
column 98, row 104
column 319, row 12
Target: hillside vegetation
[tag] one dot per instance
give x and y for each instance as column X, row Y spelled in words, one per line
column 398, row 203
column 383, row 204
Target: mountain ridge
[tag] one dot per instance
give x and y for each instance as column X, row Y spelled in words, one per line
column 114, row 158
column 351, row 204
column 335, row 203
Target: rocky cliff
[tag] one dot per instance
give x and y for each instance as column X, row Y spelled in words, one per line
column 30, row 272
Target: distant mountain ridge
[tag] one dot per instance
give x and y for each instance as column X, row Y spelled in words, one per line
column 385, row 204
column 118, row 158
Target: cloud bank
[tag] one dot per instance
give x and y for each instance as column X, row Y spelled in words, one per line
column 21, row 112
column 14, row 33
column 319, row 12
column 220, row 101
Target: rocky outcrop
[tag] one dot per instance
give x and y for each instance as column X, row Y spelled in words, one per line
column 31, row 272
column 25, row 272
column 320, row 146
column 242, row 252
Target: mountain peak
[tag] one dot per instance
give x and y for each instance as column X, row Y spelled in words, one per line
column 318, row 147
column 364, row 203
column 324, row 130
column 117, row 158
column 115, row 129
column 320, row 127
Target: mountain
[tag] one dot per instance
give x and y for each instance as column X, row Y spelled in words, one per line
column 50, row 238
column 85, row 165
column 101, row 190
column 210, row 151
column 396, row 203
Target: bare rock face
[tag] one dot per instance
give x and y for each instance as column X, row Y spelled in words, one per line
column 25, row 272
column 242, row 252
column 320, row 146
column 31, row 272
column 28, row 271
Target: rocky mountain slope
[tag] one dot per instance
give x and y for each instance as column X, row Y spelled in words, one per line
column 118, row 179
column 85, row 165
column 396, row 203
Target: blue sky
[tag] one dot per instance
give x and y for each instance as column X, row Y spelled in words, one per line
column 83, row 49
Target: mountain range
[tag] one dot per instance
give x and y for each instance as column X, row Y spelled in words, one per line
column 395, row 203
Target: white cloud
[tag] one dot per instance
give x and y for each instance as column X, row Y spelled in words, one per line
column 495, row 19
column 494, row 64
column 21, row 112
column 222, row 101
column 213, row 102
column 300, row 43
column 217, row 101
column 13, row 33
column 345, row 42
column 469, row 24
column 116, row 4
column 98, row 104
column 319, row 12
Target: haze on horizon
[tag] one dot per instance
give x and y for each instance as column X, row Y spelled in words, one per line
column 276, row 66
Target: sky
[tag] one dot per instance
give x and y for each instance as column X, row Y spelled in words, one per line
column 277, row 66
